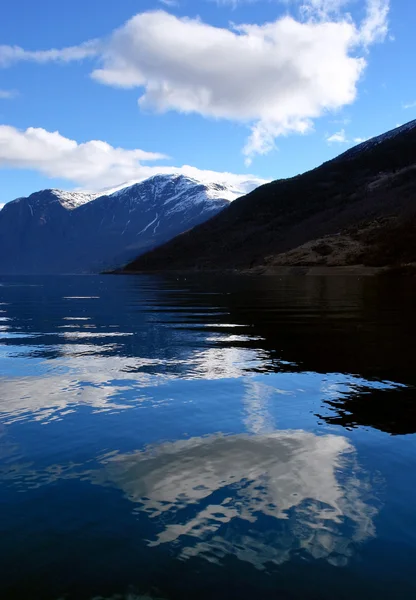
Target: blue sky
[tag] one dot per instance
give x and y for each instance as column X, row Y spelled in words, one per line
column 94, row 94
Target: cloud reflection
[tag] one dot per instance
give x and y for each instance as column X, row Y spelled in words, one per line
column 261, row 498
column 84, row 379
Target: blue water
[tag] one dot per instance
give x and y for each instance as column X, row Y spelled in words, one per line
column 207, row 437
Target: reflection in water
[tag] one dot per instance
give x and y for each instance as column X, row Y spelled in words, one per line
column 257, row 403
column 85, row 376
column 214, row 494
column 207, row 438
column 381, row 407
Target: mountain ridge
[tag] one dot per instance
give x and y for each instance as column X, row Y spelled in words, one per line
column 53, row 231
column 375, row 180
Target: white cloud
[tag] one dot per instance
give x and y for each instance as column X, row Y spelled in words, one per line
column 375, row 26
column 321, row 8
column 13, row 54
column 170, row 3
column 409, row 105
column 93, row 165
column 339, row 137
column 276, row 78
column 234, row 3
column 8, row 94
column 180, row 63
column 306, row 7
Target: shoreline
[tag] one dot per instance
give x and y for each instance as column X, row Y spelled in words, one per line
column 284, row 271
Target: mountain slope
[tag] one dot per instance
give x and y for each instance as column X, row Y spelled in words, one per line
column 32, row 229
column 376, row 180
column 139, row 217
column 60, row 232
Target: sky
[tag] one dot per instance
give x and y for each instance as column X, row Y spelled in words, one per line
column 96, row 94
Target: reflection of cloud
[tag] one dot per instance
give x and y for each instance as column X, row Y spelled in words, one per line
column 219, row 490
column 224, row 363
column 256, row 400
column 84, row 373
column 84, row 379
column 73, row 335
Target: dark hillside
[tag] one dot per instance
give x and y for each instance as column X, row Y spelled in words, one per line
column 372, row 181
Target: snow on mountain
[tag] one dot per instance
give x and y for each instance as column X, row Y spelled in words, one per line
column 71, row 200
column 42, row 202
column 57, row 231
column 229, row 187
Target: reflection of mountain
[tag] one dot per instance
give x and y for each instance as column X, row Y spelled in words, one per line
column 362, row 327
column 261, row 498
column 143, row 331
column 392, row 410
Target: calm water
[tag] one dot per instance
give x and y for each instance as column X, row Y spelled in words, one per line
column 245, row 438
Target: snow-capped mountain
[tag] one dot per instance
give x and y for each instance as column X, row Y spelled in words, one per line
column 53, row 231
column 50, row 200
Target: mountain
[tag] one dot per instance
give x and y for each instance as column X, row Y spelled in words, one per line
column 359, row 208
column 33, row 230
column 60, row 232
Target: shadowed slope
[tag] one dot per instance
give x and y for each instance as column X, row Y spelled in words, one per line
column 374, row 180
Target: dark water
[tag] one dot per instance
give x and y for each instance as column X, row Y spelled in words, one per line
column 245, row 438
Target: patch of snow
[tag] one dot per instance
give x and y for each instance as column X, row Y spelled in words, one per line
column 149, row 225
column 71, row 200
column 178, row 193
column 222, row 192
column 125, row 229
column 183, row 183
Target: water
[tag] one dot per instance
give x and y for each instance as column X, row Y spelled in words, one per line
column 207, row 438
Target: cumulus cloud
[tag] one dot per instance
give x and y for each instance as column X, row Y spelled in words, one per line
column 93, row 165
column 280, row 72
column 276, row 77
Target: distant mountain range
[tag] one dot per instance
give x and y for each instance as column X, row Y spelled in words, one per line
column 53, row 231
column 358, row 209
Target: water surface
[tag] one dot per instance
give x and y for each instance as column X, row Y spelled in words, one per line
column 207, row 437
